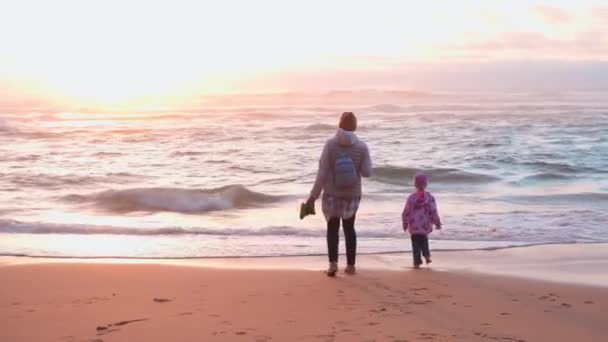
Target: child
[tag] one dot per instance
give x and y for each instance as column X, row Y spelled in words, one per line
column 419, row 215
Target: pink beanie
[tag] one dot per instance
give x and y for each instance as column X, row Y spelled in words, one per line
column 421, row 180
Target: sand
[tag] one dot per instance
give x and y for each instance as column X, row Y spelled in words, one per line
column 83, row 301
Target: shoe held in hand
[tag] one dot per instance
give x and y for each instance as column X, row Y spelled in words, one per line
column 307, row 208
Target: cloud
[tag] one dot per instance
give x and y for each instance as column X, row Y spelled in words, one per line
column 590, row 44
column 600, row 13
column 553, row 15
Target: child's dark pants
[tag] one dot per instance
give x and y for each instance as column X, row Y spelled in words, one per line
column 420, row 245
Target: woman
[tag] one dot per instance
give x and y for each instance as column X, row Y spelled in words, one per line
column 345, row 159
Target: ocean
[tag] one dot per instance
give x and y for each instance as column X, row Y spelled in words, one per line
column 226, row 180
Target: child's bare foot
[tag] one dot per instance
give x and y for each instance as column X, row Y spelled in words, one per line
column 416, row 265
column 428, row 260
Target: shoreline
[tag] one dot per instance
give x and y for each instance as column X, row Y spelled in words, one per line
column 481, row 249
column 577, row 263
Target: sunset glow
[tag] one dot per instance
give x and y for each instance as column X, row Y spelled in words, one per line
column 113, row 52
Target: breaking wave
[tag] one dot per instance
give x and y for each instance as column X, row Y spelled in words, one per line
column 386, row 108
column 561, row 169
column 174, row 200
column 404, row 176
column 591, row 198
column 544, row 176
column 13, row 226
column 62, row 181
column 321, row 127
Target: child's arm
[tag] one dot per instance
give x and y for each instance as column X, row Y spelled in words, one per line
column 435, row 213
column 405, row 215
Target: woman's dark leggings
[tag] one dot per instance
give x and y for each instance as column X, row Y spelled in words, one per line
column 333, row 239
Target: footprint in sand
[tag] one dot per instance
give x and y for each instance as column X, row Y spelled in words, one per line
column 161, row 300
column 105, row 332
column 566, row 305
column 106, row 329
column 428, row 336
column 589, row 302
column 121, row 323
column 420, row 302
column 552, row 297
column 513, row 339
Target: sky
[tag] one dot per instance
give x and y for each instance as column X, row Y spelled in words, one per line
column 108, row 52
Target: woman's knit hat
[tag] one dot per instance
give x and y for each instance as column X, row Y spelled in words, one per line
column 348, row 122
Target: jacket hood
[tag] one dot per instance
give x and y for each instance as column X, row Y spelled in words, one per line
column 346, row 138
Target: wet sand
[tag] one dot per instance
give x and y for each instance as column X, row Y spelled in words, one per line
column 83, row 301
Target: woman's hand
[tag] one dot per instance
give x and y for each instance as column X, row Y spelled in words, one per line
column 310, row 202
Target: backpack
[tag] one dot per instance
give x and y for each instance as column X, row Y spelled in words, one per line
column 345, row 172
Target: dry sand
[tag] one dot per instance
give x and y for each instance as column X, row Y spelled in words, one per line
column 148, row 302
